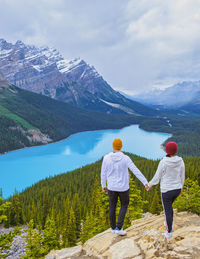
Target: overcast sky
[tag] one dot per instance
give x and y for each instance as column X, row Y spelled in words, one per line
column 134, row 44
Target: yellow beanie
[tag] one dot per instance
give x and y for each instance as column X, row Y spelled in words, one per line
column 117, row 144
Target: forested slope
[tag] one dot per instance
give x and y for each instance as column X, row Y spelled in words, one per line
column 22, row 111
column 185, row 131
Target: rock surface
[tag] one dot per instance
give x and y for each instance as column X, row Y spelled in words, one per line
column 17, row 247
column 65, row 253
column 3, row 82
column 144, row 240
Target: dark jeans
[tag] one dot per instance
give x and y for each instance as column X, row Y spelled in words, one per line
column 167, row 199
column 113, row 198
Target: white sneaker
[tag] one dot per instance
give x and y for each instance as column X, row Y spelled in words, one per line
column 165, row 224
column 167, row 234
column 113, row 230
column 120, row 232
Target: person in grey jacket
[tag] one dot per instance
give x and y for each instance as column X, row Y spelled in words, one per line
column 114, row 172
column 171, row 175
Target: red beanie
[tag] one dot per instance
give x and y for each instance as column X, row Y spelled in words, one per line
column 171, row 148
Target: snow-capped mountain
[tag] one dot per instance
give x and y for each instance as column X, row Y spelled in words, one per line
column 175, row 96
column 44, row 70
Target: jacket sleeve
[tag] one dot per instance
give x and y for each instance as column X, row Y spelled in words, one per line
column 103, row 174
column 156, row 179
column 183, row 174
column 136, row 171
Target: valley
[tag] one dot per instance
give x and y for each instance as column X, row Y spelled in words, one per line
column 56, row 98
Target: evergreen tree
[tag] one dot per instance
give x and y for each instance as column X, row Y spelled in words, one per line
column 76, row 205
column 50, row 236
column 34, row 248
column 88, row 228
column 156, row 206
column 97, row 220
column 71, row 230
column 1, row 195
column 104, row 221
column 4, row 208
column 190, row 198
column 15, row 211
column 136, row 204
column 63, row 222
column 45, row 207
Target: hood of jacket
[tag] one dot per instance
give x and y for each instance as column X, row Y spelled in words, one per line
column 172, row 161
column 117, row 156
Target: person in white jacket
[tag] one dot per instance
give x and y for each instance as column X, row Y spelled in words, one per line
column 114, row 172
column 171, row 175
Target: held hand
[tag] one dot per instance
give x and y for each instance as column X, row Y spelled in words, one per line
column 147, row 187
column 105, row 190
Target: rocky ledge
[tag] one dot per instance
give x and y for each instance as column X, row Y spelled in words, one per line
column 18, row 245
column 144, row 240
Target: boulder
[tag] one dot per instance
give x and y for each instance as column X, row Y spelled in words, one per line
column 126, row 248
column 65, row 253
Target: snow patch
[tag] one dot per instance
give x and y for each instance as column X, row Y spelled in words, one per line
column 168, row 121
column 121, row 107
column 38, row 68
column 66, row 65
column 5, row 52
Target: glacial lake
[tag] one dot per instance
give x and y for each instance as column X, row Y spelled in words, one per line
column 22, row 168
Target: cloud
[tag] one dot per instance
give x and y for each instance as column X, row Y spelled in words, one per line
column 171, row 27
column 170, row 32
column 134, row 44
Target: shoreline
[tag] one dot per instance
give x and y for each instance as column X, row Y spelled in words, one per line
column 57, row 141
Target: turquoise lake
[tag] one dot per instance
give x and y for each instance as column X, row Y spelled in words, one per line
column 22, row 168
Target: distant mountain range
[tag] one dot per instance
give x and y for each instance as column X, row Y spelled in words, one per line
column 184, row 97
column 44, row 71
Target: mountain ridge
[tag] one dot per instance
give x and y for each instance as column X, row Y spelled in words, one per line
column 176, row 96
column 44, row 70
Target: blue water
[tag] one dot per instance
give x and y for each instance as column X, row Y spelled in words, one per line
column 22, row 168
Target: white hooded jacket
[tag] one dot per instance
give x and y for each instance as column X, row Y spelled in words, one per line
column 170, row 173
column 114, row 171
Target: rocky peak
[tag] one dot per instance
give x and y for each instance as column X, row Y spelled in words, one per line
column 45, row 71
column 19, row 43
column 144, row 239
column 4, row 45
column 78, row 67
